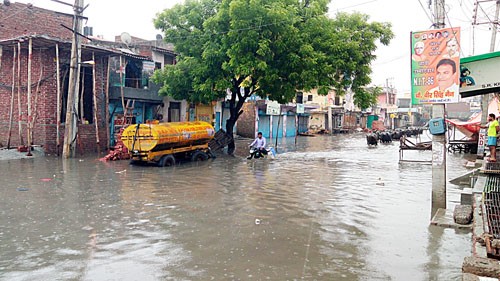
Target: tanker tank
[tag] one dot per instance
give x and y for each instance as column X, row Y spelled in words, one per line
column 151, row 142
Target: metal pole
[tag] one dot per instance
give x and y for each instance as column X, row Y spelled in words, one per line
column 277, row 130
column 494, row 28
column 296, row 127
column 485, row 99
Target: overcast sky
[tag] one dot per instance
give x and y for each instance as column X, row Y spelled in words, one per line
column 112, row 17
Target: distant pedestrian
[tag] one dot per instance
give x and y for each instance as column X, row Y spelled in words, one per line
column 493, row 129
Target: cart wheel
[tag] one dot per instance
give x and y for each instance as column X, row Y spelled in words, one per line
column 199, row 156
column 211, row 154
column 166, row 160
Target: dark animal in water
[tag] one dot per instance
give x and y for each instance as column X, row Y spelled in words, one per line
column 371, row 139
column 385, row 137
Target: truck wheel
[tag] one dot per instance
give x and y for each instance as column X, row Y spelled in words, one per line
column 199, row 156
column 166, row 160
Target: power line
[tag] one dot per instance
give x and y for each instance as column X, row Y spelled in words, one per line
column 29, row 5
column 393, row 59
column 356, row 5
column 454, row 34
column 257, row 27
column 425, row 11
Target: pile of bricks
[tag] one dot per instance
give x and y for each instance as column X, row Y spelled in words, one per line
column 118, row 152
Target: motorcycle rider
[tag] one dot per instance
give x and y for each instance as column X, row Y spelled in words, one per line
column 260, row 144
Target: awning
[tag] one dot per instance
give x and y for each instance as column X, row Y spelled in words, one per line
column 467, row 128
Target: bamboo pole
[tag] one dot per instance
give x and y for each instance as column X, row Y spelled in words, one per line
column 30, row 58
column 80, row 99
column 107, row 104
column 19, row 108
column 95, row 105
column 11, row 111
column 37, row 92
column 58, row 102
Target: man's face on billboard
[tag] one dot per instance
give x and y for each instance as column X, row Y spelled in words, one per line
column 445, row 76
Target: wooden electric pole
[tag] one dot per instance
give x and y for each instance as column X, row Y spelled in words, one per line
column 71, row 127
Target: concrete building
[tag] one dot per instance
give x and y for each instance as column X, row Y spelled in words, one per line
column 256, row 118
column 327, row 111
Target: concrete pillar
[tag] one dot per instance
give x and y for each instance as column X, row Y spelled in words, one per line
column 438, row 164
column 330, row 123
column 284, row 125
column 256, row 120
column 271, row 127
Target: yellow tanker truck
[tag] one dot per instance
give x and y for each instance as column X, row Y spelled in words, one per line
column 166, row 143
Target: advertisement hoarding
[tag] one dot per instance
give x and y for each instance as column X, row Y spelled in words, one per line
column 479, row 74
column 435, row 66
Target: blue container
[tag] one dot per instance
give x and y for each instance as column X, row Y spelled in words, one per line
column 437, row 126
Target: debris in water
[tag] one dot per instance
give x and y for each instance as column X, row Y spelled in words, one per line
column 22, row 189
column 120, row 172
column 257, row 221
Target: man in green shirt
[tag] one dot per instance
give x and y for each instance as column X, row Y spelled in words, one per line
column 493, row 129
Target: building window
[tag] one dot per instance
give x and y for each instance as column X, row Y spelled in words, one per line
column 337, row 100
column 169, row 59
column 300, row 97
column 309, row 97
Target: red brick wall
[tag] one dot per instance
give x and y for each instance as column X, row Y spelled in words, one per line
column 19, row 19
column 246, row 121
column 44, row 132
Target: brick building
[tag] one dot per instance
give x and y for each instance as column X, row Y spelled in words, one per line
column 20, row 28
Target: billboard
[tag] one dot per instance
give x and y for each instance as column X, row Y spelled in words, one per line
column 273, row 108
column 479, row 74
column 435, row 61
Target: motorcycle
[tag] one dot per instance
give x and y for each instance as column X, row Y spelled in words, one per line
column 256, row 153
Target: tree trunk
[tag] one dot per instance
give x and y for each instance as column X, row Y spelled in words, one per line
column 231, row 147
column 235, row 112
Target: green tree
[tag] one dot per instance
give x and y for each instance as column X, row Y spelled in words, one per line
column 270, row 48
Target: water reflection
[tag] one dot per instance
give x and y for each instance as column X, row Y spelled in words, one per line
column 329, row 209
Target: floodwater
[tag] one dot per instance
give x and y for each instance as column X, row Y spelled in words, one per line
column 329, row 208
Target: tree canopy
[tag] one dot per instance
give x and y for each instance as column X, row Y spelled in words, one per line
column 271, row 48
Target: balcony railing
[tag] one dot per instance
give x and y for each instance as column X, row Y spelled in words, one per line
column 149, row 93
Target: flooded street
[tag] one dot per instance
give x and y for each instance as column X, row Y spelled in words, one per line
column 329, row 209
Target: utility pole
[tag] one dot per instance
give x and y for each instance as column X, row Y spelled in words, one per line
column 71, row 127
column 439, row 14
column 438, row 141
column 485, row 99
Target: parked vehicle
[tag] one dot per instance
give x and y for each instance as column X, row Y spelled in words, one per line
column 166, row 143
